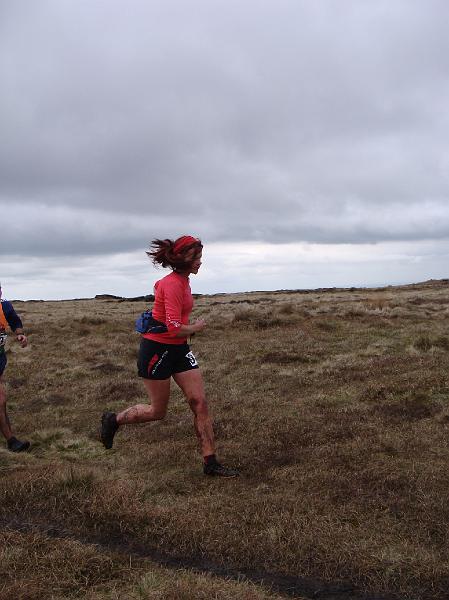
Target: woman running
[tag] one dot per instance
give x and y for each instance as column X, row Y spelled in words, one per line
column 165, row 355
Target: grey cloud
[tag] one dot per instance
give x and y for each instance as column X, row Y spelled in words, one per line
column 272, row 121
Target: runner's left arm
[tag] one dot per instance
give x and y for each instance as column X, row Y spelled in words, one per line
column 15, row 323
column 12, row 317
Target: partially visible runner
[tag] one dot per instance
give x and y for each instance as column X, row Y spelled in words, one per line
column 166, row 355
column 9, row 317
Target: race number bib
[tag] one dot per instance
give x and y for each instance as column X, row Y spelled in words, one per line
column 3, row 337
column 192, row 360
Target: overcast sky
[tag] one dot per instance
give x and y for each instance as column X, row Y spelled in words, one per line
column 305, row 142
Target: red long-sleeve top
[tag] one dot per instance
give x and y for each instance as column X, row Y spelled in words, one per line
column 173, row 303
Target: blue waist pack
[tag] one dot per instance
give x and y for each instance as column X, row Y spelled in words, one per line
column 146, row 323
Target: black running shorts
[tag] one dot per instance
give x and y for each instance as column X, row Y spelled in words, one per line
column 161, row 361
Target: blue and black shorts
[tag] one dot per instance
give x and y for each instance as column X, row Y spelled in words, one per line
column 161, row 361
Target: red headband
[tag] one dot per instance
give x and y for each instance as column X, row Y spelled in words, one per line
column 182, row 242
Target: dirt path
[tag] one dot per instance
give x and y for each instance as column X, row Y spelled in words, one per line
column 289, row 586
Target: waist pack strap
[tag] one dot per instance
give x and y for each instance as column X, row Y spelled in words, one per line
column 146, row 323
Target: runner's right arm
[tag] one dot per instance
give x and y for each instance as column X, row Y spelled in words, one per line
column 186, row 330
column 174, row 297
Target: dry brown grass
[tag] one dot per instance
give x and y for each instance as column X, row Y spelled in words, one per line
column 334, row 404
column 36, row 565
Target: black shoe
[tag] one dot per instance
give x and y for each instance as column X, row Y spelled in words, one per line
column 216, row 469
column 108, row 429
column 16, row 445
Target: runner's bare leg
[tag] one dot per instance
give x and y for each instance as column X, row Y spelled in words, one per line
column 159, row 393
column 5, row 425
column 192, row 385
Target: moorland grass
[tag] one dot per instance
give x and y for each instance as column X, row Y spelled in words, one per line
column 334, row 405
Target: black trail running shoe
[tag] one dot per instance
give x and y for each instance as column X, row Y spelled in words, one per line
column 16, row 445
column 216, row 469
column 108, row 429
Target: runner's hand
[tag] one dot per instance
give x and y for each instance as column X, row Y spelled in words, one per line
column 22, row 339
column 199, row 325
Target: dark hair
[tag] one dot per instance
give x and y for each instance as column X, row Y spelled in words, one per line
column 162, row 252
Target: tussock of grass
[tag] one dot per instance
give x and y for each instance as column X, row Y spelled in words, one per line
column 64, row 444
column 33, row 566
column 285, row 358
column 286, row 309
column 413, row 406
column 156, row 585
column 327, row 325
column 87, row 320
column 107, row 367
column 426, row 342
column 119, row 390
column 257, row 319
